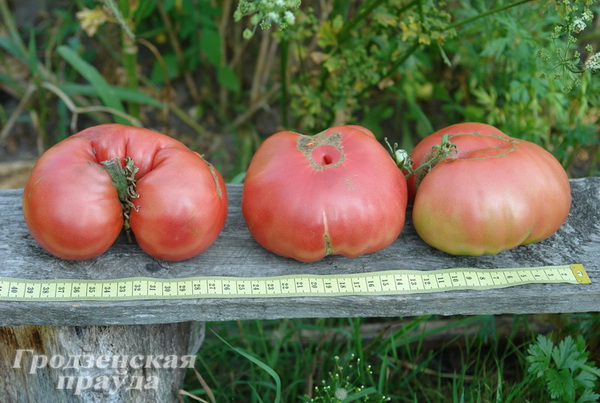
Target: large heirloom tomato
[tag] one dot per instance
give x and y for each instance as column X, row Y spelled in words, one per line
column 82, row 188
column 338, row 192
column 494, row 193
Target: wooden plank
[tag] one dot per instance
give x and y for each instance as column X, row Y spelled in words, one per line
column 236, row 254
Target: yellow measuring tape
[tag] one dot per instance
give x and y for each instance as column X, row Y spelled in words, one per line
column 310, row 285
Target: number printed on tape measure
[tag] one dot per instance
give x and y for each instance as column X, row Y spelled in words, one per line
column 375, row 283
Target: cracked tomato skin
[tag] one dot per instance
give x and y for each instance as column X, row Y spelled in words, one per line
column 73, row 210
column 338, row 192
column 495, row 193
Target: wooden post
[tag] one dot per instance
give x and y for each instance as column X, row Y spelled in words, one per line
column 118, row 363
column 170, row 327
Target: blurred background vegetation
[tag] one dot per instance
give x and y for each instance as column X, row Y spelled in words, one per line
column 221, row 76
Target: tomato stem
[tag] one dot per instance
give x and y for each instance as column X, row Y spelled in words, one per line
column 123, row 179
column 438, row 153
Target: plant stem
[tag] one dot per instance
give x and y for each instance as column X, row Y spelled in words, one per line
column 130, row 61
column 223, row 91
column 17, row 112
column 123, row 179
column 168, row 89
column 285, row 52
column 119, row 13
column 9, row 23
column 363, row 13
column 404, row 57
column 187, row 119
column 595, row 162
column 177, row 49
column 486, row 14
column 128, row 48
column 360, row 15
column 76, row 110
column 259, row 68
column 409, row 52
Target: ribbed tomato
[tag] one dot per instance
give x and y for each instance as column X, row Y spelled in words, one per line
column 494, row 193
column 338, row 192
column 76, row 198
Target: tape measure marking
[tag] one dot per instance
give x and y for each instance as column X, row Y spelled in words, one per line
column 375, row 283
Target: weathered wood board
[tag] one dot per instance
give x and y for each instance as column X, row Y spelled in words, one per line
column 30, row 371
column 235, row 253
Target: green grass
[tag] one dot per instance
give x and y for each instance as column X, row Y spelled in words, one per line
column 422, row 359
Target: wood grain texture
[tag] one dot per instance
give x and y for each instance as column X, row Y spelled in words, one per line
column 75, row 370
column 235, row 253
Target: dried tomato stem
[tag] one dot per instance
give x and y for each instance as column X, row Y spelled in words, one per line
column 438, row 153
column 123, row 179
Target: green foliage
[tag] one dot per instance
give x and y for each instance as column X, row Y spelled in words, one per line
column 260, row 364
column 101, row 88
column 526, row 95
column 565, row 369
column 343, row 385
column 427, row 358
column 202, row 70
column 378, row 63
column 575, row 17
column 352, row 56
column 266, row 12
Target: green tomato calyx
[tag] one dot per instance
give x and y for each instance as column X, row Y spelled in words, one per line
column 123, row 179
